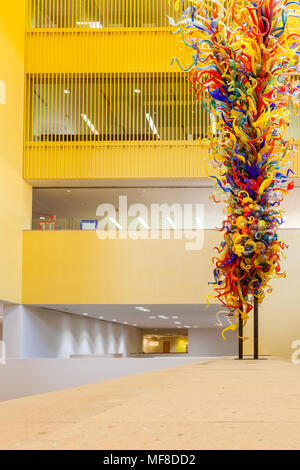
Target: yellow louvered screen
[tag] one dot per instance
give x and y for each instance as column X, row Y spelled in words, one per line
column 112, row 107
column 98, row 14
column 102, row 99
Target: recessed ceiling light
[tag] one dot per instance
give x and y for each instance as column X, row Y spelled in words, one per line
column 143, row 223
column 113, row 220
column 171, row 222
column 178, row 322
column 125, row 322
column 89, row 123
column 187, row 326
column 175, row 316
column 101, row 316
column 114, row 319
column 163, row 317
column 68, row 190
column 85, row 314
column 152, row 316
column 143, row 309
column 196, row 326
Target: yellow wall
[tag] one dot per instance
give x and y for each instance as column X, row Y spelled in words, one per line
column 77, row 267
column 181, row 344
column 15, row 194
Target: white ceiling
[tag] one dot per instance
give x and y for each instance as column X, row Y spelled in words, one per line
column 75, row 202
column 176, row 316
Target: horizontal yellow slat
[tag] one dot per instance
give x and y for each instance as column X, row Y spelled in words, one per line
column 122, row 160
column 116, row 51
column 115, row 160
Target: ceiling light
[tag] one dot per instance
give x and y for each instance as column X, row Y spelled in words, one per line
column 175, row 316
column 68, row 190
column 89, row 123
column 152, row 125
column 134, row 324
column 152, row 317
column 196, row 326
column 187, row 326
column 115, row 223
column 91, row 24
column 125, row 322
column 171, row 222
column 178, row 322
column 143, row 223
column 114, row 319
column 143, row 309
column 163, row 317
column 137, row 90
column 85, row 314
column 100, row 318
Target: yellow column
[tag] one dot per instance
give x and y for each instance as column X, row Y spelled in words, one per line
column 15, row 194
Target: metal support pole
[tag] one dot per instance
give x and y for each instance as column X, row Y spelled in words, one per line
column 255, row 330
column 240, row 337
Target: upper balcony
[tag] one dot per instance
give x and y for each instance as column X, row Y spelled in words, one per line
column 102, row 100
column 92, row 36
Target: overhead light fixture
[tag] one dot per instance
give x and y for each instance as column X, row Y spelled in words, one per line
column 114, row 319
column 143, row 309
column 196, row 326
column 125, row 322
column 152, row 317
column 187, row 326
column 175, row 316
column 89, row 123
column 115, row 223
column 163, row 317
column 91, row 24
column 85, row 314
column 141, row 220
column 178, row 322
column 101, row 316
column 152, row 125
column 171, row 222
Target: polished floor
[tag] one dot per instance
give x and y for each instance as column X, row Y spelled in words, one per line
column 217, row 404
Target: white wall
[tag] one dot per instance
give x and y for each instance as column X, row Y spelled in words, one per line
column 209, row 342
column 33, row 332
column 12, row 330
column 22, row 377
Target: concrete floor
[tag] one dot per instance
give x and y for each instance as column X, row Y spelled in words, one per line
column 218, row 404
